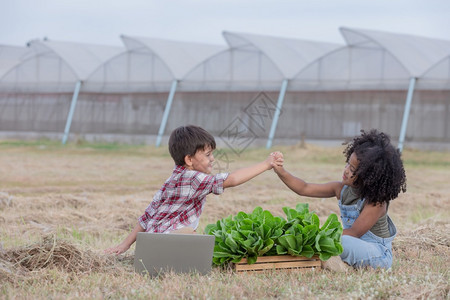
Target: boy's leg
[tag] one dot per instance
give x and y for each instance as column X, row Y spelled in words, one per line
column 184, row 230
column 359, row 253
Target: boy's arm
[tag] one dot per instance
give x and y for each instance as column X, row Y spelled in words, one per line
column 127, row 242
column 245, row 174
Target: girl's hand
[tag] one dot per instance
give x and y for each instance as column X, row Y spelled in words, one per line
column 277, row 164
column 277, row 155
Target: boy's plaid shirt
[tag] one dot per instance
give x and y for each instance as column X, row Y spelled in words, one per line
column 180, row 200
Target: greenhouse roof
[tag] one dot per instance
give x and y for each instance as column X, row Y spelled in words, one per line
column 83, row 59
column 289, row 55
column 438, row 76
column 369, row 60
column 441, row 70
column 179, row 57
column 55, row 66
column 417, row 54
column 11, row 56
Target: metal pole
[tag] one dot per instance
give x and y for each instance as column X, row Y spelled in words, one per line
column 409, row 97
column 166, row 112
column 71, row 112
column 277, row 113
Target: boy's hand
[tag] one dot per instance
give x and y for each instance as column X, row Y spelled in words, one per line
column 277, row 155
column 270, row 160
column 278, row 161
column 119, row 249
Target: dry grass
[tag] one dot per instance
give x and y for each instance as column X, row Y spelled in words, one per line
column 61, row 206
column 50, row 253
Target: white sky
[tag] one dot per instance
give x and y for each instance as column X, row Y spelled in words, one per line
column 103, row 21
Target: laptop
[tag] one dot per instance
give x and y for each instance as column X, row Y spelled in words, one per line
column 157, row 253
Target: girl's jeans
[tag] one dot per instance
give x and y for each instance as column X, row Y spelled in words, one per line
column 369, row 249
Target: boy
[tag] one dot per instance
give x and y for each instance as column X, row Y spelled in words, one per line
column 177, row 206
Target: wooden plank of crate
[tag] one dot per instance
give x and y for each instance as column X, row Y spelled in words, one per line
column 278, row 265
column 277, row 258
column 296, row 270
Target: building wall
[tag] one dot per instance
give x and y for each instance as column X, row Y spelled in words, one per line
column 313, row 115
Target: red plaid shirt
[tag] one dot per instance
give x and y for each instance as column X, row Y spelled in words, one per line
column 180, row 200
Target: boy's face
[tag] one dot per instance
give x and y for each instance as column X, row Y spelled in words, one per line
column 202, row 160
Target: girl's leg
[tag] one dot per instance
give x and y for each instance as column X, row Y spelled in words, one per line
column 336, row 264
column 359, row 253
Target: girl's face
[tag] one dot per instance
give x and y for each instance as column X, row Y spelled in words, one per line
column 349, row 177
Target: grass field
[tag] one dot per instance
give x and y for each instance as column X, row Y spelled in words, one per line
column 60, row 206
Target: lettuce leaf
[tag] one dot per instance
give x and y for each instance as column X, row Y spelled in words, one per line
column 260, row 233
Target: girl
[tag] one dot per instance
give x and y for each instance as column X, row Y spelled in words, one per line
column 373, row 176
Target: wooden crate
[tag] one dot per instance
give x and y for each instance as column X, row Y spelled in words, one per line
column 279, row 262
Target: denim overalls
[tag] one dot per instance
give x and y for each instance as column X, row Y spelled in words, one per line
column 369, row 249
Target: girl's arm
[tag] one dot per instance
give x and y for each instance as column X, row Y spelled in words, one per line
column 304, row 188
column 245, row 174
column 368, row 217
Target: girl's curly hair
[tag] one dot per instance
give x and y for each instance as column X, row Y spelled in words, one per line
column 380, row 175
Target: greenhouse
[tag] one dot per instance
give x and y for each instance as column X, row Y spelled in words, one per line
column 36, row 93
column 370, row 83
column 11, row 56
column 271, row 90
column 252, row 77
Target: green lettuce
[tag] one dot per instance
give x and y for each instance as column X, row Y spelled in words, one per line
column 260, row 233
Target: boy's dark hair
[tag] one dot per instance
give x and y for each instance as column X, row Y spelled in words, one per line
column 187, row 140
column 380, row 175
